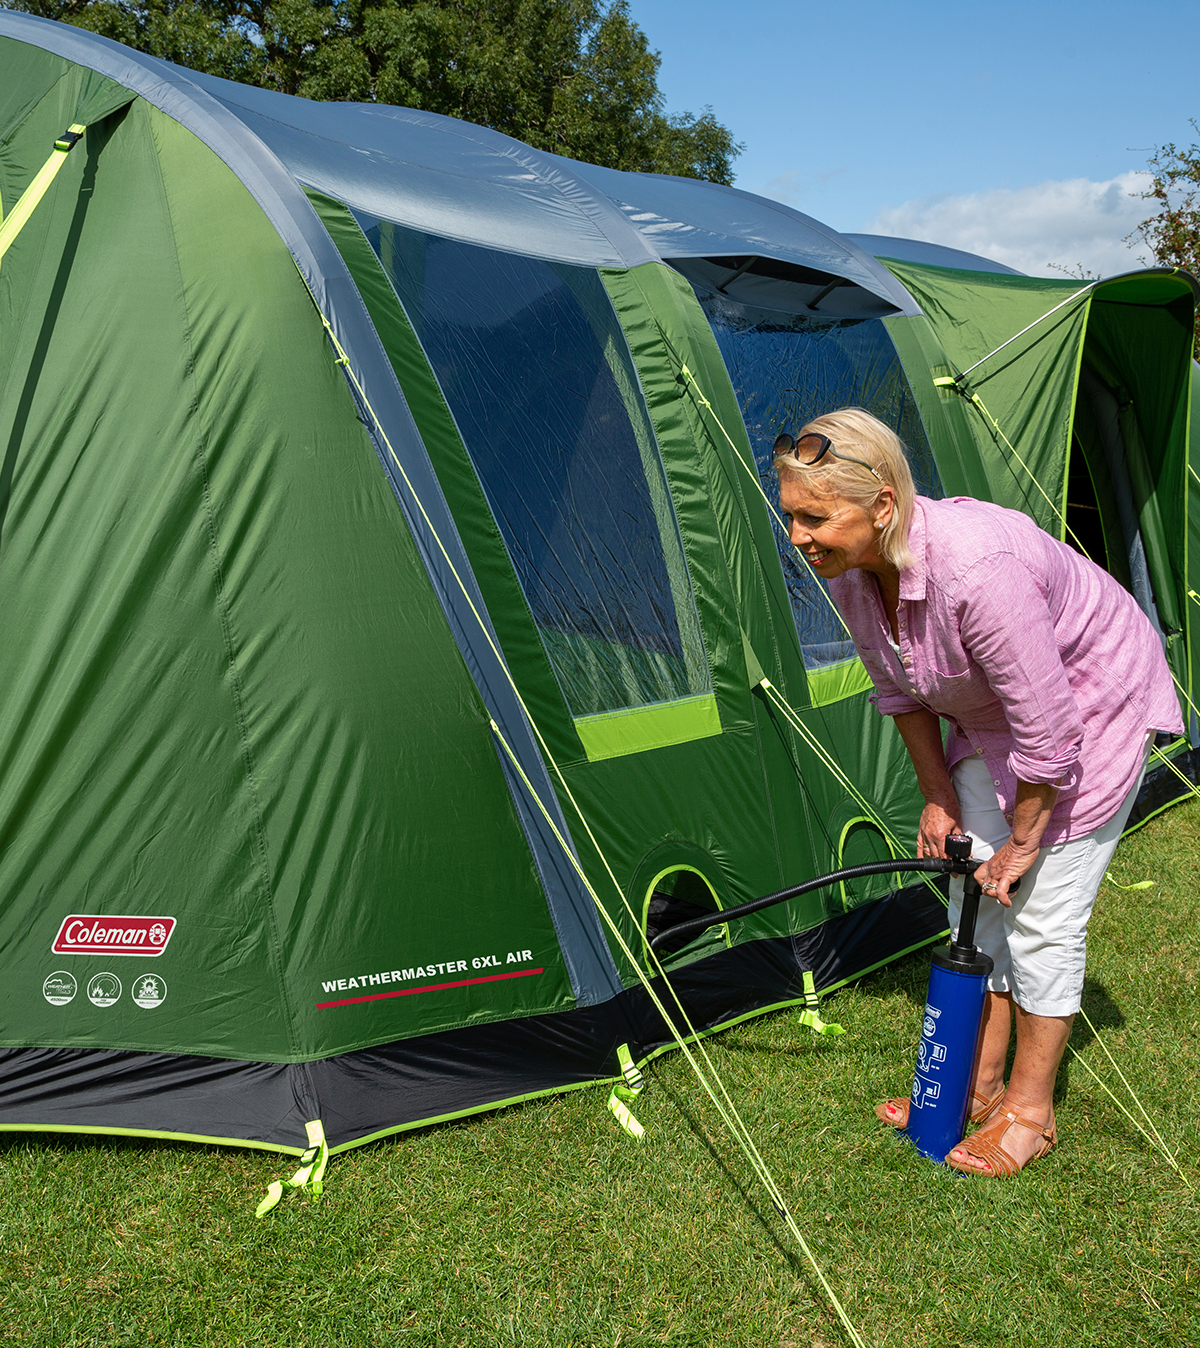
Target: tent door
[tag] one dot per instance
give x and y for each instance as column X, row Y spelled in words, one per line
column 1102, row 510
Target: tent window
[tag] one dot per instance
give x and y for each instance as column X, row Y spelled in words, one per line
column 788, row 368
column 537, row 374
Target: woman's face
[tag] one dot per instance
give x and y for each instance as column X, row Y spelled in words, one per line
column 834, row 534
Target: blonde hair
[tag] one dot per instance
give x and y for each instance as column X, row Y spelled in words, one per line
column 854, row 431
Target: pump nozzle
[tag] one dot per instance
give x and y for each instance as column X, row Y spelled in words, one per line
column 958, row 847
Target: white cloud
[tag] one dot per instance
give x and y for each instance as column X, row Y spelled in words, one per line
column 1072, row 223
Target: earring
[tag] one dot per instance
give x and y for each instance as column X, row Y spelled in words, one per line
column 878, row 525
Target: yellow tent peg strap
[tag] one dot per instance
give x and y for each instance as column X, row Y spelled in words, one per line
column 629, row 1070
column 311, row 1174
column 1141, row 884
column 810, row 1016
column 620, row 1112
column 629, row 1088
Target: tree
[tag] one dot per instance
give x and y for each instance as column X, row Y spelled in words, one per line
column 1172, row 233
column 573, row 76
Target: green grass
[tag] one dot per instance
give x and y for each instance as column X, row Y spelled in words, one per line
column 547, row 1225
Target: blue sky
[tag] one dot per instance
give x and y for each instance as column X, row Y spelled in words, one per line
column 1016, row 128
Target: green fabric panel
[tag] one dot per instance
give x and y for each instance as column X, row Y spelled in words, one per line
column 736, row 560
column 643, row 728
column 40, row 71
column 231, row 697
column 121, row 785
column 834, row 682
column 682, row 806
column 481, row 537
column 1192, row 607
column 1029, row 387
column 98, row 97
column 943, row 412
column 374, row 762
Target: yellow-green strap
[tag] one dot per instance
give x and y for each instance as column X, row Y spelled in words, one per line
column 629, row 1070
column 621, row 1113
column 1141, row 884
column 311, row 1174
column 629, row 1089
column 810, row 1016
column 37, row 189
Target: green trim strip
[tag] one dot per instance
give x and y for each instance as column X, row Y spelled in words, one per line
column 1162, row 809
column 156, row 1133
column 38, row 188
column 613, row 734
column 833, row 683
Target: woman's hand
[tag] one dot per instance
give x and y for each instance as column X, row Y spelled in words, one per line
column 1031, row 813
column 1005, row 866
column 939, row 817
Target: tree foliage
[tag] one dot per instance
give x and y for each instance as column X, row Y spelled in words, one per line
column 1172, row 233
column 573, row 76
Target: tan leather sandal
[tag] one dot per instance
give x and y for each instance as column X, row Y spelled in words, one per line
column 985, row 1146
column 981, row 1114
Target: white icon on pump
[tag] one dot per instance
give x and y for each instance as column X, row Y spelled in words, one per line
column 929, row 1055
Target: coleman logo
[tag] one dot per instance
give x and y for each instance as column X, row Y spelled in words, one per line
column 81, row 935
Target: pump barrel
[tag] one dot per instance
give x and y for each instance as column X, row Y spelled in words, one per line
column 941, row 1089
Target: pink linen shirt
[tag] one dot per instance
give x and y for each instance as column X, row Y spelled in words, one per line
column 1041, row 662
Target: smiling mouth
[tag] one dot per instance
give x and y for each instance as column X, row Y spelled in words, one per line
column 816, row 558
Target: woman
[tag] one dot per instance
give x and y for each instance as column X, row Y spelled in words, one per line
column 1053, row 683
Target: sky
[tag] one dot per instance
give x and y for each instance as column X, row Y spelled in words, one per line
column 1018, row 131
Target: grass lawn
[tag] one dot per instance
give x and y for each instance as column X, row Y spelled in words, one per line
column 547, row 1225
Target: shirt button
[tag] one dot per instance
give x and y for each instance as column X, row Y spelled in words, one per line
column 995, row 781
column 979, row 752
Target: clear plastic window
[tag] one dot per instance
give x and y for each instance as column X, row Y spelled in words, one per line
column 787, row 369
column 538, row 376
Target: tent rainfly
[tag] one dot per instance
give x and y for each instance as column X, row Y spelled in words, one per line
column 397, row 633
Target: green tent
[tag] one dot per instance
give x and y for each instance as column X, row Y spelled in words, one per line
column 398, row 634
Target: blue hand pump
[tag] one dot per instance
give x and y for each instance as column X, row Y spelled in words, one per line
column 941, row 1089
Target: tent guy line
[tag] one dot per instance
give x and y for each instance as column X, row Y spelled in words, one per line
column 724, row 1102
column 724, row 1106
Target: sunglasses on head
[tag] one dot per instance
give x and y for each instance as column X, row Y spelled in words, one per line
column 811, row 449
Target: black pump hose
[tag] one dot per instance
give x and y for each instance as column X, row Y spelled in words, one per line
column 936, row 865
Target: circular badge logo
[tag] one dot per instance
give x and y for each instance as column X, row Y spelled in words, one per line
column 149, row 990
column 104, row 989
column 59, row 988
column 158, row 934
column 930, row 1027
